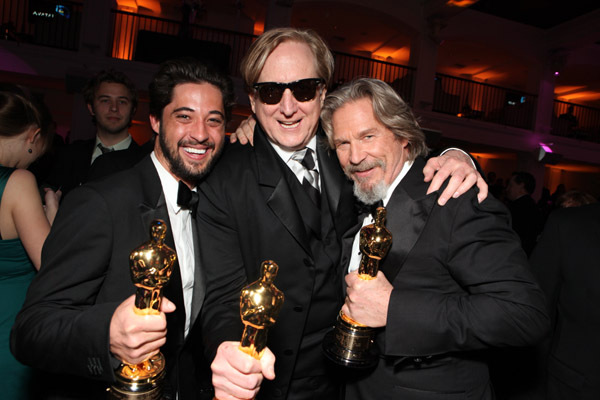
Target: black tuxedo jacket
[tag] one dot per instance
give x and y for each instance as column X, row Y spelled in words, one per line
column 461, row 285
column 115, row 161
column 72, row 164
column 63, row 327
column 249, row 212
column 566, row 263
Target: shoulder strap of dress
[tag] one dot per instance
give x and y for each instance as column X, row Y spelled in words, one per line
column 4, row 175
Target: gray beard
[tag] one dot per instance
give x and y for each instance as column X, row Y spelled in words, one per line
column 377, row 192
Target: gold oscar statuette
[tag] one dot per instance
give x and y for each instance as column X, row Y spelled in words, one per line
column 350, row 343
column 151, row 266
column 260, row 303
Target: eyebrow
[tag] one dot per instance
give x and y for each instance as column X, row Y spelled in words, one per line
column 188, row 109
column 100, row 96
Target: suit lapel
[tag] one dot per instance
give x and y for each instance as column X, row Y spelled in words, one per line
column 332, row 181
column 154, row 207
column 337, row 188
column 199, row 283
column 407, row 213
column 277, row 191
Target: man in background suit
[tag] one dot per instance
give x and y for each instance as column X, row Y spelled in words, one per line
column 78, row 320
column 111, row 99
column 566, row 263
column 256, row 206
column 525, row 213
column 455, row 281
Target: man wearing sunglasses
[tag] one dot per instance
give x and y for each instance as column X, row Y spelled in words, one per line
column 284, row 199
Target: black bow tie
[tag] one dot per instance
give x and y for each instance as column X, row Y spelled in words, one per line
column 187, row 198
column 364, row 209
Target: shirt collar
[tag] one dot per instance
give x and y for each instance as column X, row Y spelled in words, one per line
column 122, row 145
column 396, row 182
column 170, row 185
column 287, row 155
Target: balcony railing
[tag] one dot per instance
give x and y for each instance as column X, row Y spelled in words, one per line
column 400, row 77
column 576, row 121
column 134, row 34
column 46, row 24
column 130, row 32
column 474, row 100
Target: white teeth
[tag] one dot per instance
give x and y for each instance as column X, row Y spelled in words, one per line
column 195, row 151
column 290, row 125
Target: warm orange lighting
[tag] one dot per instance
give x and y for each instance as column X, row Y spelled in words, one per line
column 461, row 3
column 559, row 90
column 259, row 27
column 565, row 166
column 495, row 156
column 488, row 76
column 123, row 43
column 127, row 5
column 395, row 56
column 580, row 96
column 152, row 5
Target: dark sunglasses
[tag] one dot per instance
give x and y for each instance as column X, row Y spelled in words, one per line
column 303, row 90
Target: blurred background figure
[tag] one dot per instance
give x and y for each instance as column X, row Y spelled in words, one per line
column 566, row 265
column 111, row 99
column 24, row 223
column 526, row 216
column 575, row 198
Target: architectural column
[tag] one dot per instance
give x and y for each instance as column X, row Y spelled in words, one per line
column 423, row 57
column 279, row 14
column 545, row 102
column 95, row 25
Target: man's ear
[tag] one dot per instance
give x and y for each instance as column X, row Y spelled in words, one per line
column 322, row 95
column 252, row 102
column 155, row 124
column 91, row 109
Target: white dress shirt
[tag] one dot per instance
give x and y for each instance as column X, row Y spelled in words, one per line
column 355, row 255
column 181, row 228
column 122, row 145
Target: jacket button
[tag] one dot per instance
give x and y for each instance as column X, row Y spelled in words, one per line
column 417, row 359
column 288, row 352
column 298, row 309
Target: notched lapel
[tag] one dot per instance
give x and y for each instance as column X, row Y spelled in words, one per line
column 173, row 290
column 283, row 205
column 280, row 200
column 332, row 181
column 406, row 218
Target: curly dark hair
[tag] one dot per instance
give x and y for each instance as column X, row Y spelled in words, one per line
column 187, row 70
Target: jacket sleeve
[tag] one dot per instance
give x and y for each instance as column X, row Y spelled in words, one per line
column 60, row 328
column 468, row 288
column 224, row 270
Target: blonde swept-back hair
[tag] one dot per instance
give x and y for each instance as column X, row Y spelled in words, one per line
column 263, row 46
column 388, row 107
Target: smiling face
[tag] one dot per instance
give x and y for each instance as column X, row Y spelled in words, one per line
column 370, row 154
column 191, row 131
column 290, row 123
column 112, row 108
